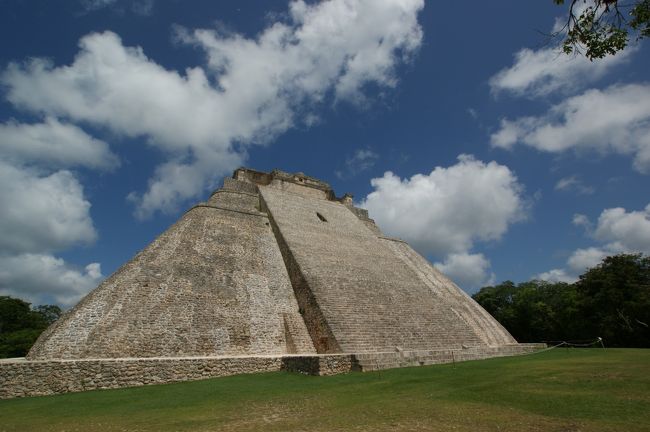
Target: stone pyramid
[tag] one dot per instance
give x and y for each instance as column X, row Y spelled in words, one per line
column 272, row 264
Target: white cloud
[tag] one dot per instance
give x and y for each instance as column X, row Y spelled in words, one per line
column 613, row 120
column 574, row 184
column 42, row 212
column 44, row 209
column 44, row 279
column 627, row 231
column 445, row 212
column 580, row 261
column 617, row 230
column 555, row 275
column 251, row 90
column 583, row 259
column 542, row 72
column 470, row 271
column 202, row 119
column 449, row 209
column 538, row 73
column 119, row 87
column 53, row 144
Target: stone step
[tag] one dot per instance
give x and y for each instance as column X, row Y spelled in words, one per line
column 297, row 332
column 388, row 360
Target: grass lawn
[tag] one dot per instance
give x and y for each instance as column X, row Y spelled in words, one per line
column 559, row 390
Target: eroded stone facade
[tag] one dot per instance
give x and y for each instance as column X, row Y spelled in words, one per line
column 273, row 265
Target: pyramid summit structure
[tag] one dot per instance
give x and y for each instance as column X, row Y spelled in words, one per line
column 272, row 263
column 273, row 272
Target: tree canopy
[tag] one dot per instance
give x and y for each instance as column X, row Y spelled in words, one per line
column 20, row 325
column 611, row 300
column 597, row 28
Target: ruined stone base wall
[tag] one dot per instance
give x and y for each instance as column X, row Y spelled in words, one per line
column 377, row 361
column 20, row 378
column 38, row 378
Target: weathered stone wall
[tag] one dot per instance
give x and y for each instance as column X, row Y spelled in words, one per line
column 323, row 338
column 272, row 263
column 19, row 378
column 445, row 291
column 388, row 360
column 34, row 378
column 370, row 298
column 213, row 284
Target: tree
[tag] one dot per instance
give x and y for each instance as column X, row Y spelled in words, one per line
column 532, row 311
column 611, row 300
column 20, row 325
column 615, row 298
column 50, row 313
column 603, row 27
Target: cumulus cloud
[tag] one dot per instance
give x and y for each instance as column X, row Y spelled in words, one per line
column 617, row 231
column 251, row 90
column 467, row 270
column 583, row 259
column 445, row 212
column 44, row 209
column 555, row 275
column 449, row 209
column 42, row 214
column 580, row 261
column 203, row 119
column 42, row 279
column 53, row 144
column 624, row 230
column 613, row 120
column 541, row 72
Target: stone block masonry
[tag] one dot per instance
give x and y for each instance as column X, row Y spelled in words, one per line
column 372, row 298
column 21, row 378
column 213, row 284
column 270, row 272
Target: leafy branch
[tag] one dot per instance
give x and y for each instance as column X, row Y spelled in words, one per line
column 598, row 28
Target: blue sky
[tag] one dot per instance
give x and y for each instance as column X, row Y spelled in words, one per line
column 464, row 132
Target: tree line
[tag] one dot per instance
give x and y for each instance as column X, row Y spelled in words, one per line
column 611, row 300
column 21, row 324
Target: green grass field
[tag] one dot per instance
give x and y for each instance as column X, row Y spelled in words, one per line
column 559, row 390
